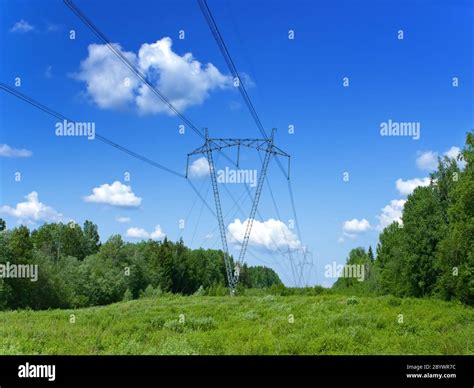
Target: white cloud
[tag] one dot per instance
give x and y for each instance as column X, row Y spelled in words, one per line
column 135, row 232
column 116, row 194
column 22, row 26
column 407, row 187
column 453, row 152
column 271, row 234
column 122, row 220
column 110, row 83
column 246, row 80
column 32, row 210
column 356, row 226
column 182, row 79
column 9, row 152
column 199, row 168
column 158, row 233
column 427, row 161
column 390, row 213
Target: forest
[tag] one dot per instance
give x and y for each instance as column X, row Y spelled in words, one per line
column 431, row 252
column 76, row 270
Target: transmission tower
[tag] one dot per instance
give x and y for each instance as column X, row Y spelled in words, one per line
column 217, row 144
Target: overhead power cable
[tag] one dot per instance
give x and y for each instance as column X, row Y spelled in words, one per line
column 137, row 72
column 230, row 63
column 130, row 65
column 98, row 136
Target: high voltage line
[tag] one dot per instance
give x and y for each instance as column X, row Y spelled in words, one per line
column 211, row 145
column 232, row 68
column 232, row 274
column 102, row 138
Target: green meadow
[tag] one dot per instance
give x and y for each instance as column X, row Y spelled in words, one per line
column 262, row 324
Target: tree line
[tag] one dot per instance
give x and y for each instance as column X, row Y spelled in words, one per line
column 431, row 252
column 76, row 270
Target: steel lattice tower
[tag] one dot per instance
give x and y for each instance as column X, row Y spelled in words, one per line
column 217, row 144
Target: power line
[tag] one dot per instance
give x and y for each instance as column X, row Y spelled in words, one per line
column 230, row 63
column 281, row 226
column 130, row 65
column 142, row 77
column 103, row 139
column 292, row 199
column 136, row 71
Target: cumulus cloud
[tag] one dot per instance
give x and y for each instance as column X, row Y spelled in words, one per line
column 135, row 232
column 407, row 187
column 356, row 226
column 427, row 160
column 10, row 152
column 271, row 234
column 453, row 152
column 109, row 82
column 22, row 26
column 116, row 194
column 199, row 168
column 182, row 79
column 158, row 233
column 32, row 210
column 391, row 213
column 246, row 80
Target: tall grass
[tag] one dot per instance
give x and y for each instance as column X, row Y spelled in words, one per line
column 261, row 323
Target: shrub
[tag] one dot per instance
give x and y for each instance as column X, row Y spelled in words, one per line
column 393, row 301
column 157, row 323
column 200, row 291
column 151, row 292
column 127, row 295
column 352, row 300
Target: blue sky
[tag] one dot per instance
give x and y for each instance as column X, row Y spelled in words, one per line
column 291, row 82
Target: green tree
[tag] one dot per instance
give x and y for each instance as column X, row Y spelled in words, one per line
column 456, row 252
column 370, row 254
column 91, row 241
column 424, row 226
column 391, row 260
column 360, row 267
column 261, row 277
column 20, row 244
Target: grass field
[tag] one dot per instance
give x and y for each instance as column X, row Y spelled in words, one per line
column 324, row 324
